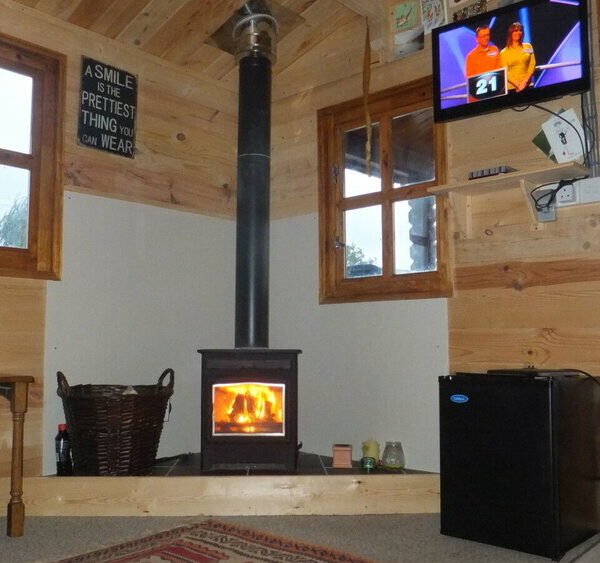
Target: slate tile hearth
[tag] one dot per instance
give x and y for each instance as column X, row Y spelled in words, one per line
column 308, row 464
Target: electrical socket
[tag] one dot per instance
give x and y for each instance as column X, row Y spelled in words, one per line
column 584, row 191
column 567, row 194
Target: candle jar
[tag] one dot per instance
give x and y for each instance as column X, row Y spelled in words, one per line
column 393, row 456
column 370, row 448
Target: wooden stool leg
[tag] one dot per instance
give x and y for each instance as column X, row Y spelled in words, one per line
column 16, row 508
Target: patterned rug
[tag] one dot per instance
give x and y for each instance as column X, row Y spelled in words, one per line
column 212, row 541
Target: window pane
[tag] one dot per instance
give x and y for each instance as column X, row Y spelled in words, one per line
column 14, row 206
column 412, row 148
column 356, row 180
column 15, row 111
column 363, row 242
column 415, row 235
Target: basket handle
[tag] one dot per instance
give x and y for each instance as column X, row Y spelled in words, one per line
column 171, row 375
column 63, row 385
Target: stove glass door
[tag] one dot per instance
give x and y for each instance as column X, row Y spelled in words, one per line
column 248, row 408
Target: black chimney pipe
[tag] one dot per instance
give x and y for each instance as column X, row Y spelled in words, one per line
column 255, row 52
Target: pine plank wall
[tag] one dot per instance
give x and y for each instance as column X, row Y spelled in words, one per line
column 524, row 293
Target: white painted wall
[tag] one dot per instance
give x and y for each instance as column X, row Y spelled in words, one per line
column 368, row 370
column 143, row 289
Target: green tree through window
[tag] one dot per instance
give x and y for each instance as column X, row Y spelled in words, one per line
column 13, row 225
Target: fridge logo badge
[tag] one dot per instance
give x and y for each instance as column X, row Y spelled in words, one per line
column 459, row 398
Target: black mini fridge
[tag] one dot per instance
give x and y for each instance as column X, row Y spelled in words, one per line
column 518, row 459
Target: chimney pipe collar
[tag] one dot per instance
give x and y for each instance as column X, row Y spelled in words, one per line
column 255, row 34
column 282, row 20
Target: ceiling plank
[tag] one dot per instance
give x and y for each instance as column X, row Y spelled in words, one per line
column 298, row 6
column 29, row 3
column 88, row 11
column 118, row 16
column 201, row 22
column 375, row 11
column 143, row 27
column 58, row 8
column 320, row 21
column 340, row 55
column 170, row 32
column 381, row 24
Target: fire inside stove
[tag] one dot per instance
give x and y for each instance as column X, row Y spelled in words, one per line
column 248, row 408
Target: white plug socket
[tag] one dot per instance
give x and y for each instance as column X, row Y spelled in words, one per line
column 580, row 192
column 566, row 195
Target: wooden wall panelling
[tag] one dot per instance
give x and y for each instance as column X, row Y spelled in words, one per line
column 527, row 293
column 22, row 319
column 546, row 326
column 499, row 138
column 567, row 237
column 523, row 274
column 572, row 305
column 109, row 178
column 337, row 57
column 197, row 107
column 323, row 18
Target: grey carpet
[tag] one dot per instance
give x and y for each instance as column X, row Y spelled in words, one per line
column 394, row 538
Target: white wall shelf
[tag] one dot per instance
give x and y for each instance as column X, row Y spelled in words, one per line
column 513, row 180
column 461, row 192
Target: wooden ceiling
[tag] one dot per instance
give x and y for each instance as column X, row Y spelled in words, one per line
column 176, row 30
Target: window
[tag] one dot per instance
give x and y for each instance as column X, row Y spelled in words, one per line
column 31, row 115
column 382, row 236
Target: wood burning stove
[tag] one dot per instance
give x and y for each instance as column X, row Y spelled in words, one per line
column 249, row 409
column 249, row 394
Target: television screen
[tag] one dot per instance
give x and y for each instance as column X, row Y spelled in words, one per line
column 519, row 54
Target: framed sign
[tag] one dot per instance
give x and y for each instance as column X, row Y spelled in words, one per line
column 108, row 108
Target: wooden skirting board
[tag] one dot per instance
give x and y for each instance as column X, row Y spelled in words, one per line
column 230, row 495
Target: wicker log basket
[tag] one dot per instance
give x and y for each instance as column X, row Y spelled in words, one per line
column 115, row 429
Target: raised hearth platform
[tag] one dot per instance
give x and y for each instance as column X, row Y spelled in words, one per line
column 348, row 491
column 308, row 464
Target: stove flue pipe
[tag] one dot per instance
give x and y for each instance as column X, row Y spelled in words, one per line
column 255, row 36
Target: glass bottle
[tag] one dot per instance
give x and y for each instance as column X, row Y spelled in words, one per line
column 393, row 456
column 64, row 464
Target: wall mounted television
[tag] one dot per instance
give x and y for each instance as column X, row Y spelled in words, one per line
column 475, row 71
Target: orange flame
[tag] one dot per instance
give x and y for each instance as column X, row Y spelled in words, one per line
column 249, row 406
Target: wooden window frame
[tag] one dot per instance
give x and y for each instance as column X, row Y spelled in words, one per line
column 42, row 257
column 332, row 123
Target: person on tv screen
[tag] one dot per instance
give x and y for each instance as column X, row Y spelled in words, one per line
column 484, row 57
column 518, row 58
